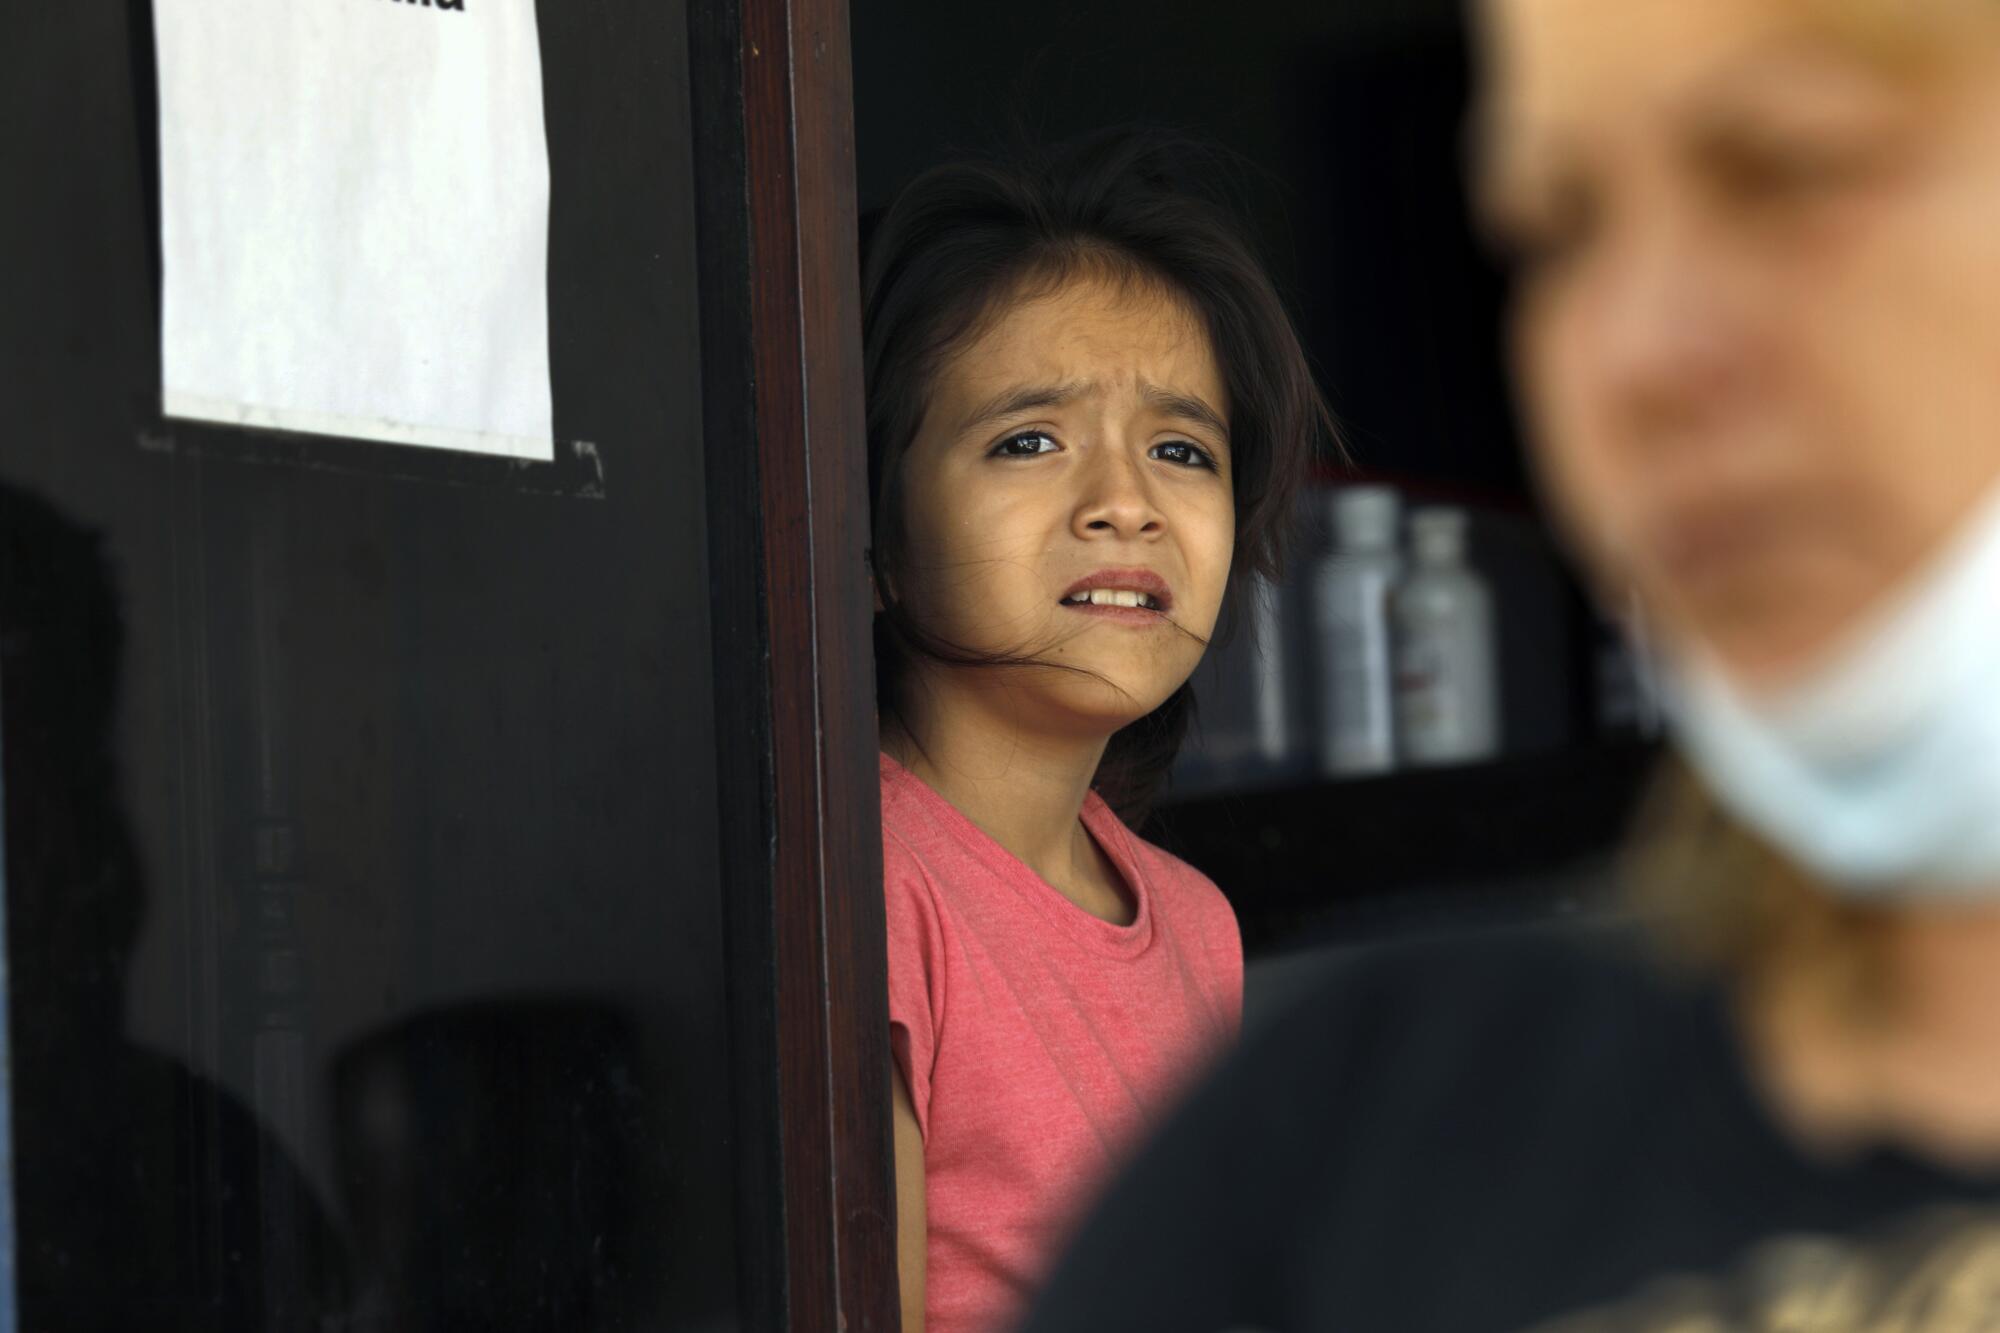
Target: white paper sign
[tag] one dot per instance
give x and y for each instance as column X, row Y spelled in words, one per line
column 354, row 213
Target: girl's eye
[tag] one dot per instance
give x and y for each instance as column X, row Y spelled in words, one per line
column 1184, row 453
column 1025, row 445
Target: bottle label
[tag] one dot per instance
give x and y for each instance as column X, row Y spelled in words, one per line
column 1445, row 705
column 1357, row 726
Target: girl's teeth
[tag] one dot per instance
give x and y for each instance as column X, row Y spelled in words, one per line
column 1114, row 597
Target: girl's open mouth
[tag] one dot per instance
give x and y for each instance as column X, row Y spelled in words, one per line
column 1113, row 597
column 1127, row 605
column 1132, row 594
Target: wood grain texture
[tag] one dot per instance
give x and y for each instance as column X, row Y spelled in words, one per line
column 827, row 919
column 740, row 628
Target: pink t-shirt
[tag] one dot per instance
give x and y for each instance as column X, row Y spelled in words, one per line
column 1038, row 1042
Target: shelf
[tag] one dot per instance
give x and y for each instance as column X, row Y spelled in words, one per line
column 1511, row 838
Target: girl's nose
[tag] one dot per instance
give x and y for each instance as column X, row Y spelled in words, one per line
column 1115, row 500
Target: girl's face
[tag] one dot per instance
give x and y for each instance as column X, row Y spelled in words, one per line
column 1758, row 317
column 1074, row 456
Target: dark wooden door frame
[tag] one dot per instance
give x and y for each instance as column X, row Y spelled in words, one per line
column 788, row 501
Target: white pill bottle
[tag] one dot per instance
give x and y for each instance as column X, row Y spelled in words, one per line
column 1350, row 619
column 1441, row 628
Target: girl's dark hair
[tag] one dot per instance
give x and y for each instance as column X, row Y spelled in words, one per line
column 966, row 237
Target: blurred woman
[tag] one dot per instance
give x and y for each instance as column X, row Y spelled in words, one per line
column 1757, row 326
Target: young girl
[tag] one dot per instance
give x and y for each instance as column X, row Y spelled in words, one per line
column 1087, row 414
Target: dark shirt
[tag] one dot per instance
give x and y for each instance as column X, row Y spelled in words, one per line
column 1514, row 1133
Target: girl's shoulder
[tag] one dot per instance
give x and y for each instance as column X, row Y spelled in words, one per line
column 918, row 923
column 907, row 825
column 917, row 823
column 928, row 846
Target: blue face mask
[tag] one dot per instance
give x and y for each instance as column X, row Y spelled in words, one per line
column 1879, row 770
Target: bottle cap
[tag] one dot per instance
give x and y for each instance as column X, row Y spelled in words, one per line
column 1365, row 517
column 1438, row 534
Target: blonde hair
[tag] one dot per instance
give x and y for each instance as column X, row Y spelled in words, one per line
column 1719, row 899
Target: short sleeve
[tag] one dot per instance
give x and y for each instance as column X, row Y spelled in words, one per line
column 1225, row 939
column 916, row 972
column 1213, row 939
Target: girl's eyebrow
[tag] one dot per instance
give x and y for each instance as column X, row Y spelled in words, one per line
column 1021, row 398
column 1187, row 407
column 1026, row 398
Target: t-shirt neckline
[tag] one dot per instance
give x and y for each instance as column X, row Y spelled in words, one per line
column 1104, row 828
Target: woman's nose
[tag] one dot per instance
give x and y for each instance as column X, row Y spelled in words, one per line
column 1662, row 333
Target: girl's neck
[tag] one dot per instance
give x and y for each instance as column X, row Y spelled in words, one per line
column 1023, row 787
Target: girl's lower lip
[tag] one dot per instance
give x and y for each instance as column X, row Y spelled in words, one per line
column 1124, row 615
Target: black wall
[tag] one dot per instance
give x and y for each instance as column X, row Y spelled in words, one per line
column 416, row 998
